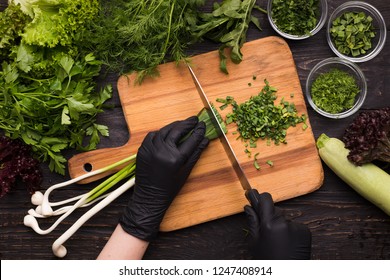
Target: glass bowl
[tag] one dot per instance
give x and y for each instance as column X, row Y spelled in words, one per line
column 343, row 65
column 323, row 5
column 378, row 23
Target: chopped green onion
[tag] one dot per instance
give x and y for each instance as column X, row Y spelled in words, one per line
column 211, row 132
column 260, row 118
column 255, row 163
column 352, row 33
column 297, row 17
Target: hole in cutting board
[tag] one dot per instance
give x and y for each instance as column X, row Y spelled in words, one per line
column 88, row 167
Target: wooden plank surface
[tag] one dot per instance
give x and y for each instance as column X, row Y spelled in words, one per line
column 172, row 96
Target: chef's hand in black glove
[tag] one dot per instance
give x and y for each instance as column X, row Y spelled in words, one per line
column 163, row 164
column 271, row 236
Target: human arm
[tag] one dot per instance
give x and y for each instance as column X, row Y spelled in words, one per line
column 163, row 165
column 123, row 246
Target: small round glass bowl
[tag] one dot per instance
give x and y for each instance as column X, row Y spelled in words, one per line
column 323, row 5
column 378, row 23
column 343, row 65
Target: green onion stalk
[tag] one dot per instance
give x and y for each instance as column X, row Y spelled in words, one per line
column 99, row 193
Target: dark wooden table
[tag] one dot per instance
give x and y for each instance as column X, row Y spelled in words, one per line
column 344, row 225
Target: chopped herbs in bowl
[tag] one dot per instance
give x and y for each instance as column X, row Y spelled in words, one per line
column 297, row 19
column 336, row 88
column 356, row 31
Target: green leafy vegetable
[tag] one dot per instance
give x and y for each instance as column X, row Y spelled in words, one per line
column 48, row 92
column 295, row 17
column 48, row 95
column 43, row 31
column 55, row 113
column 139, row 35
column 260, row 118
column 352, row 33
column 12, row 23
column 134, row 35
column 56, row 22
column 334, row 91
column 227, row 24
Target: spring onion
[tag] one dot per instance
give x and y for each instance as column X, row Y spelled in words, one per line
column 211, row 132
column 100, row 193
column 58, row 248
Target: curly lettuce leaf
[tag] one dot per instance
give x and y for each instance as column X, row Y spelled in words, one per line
column 25, row 6
column 12, row 23
column 56, row 22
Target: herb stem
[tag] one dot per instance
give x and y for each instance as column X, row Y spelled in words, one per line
column 125, row 172
column 46, row 209
column 165, row 47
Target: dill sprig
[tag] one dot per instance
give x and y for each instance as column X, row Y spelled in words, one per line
column 139, row 35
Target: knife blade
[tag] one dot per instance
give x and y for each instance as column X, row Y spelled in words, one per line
column 225, row 142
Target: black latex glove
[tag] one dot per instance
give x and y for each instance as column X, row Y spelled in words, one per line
column 163, row 164
column 272, row 237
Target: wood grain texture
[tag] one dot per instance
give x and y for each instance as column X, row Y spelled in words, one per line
column 171, row 97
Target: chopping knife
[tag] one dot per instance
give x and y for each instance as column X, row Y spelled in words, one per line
column 225, row 143
column 298, row 236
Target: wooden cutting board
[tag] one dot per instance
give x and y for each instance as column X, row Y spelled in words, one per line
column 213, row 190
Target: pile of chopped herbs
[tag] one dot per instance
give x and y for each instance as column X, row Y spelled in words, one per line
column 259, row 118
column 334, row 91
column 352, row 33
column 295, row 17
column 17, row 163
